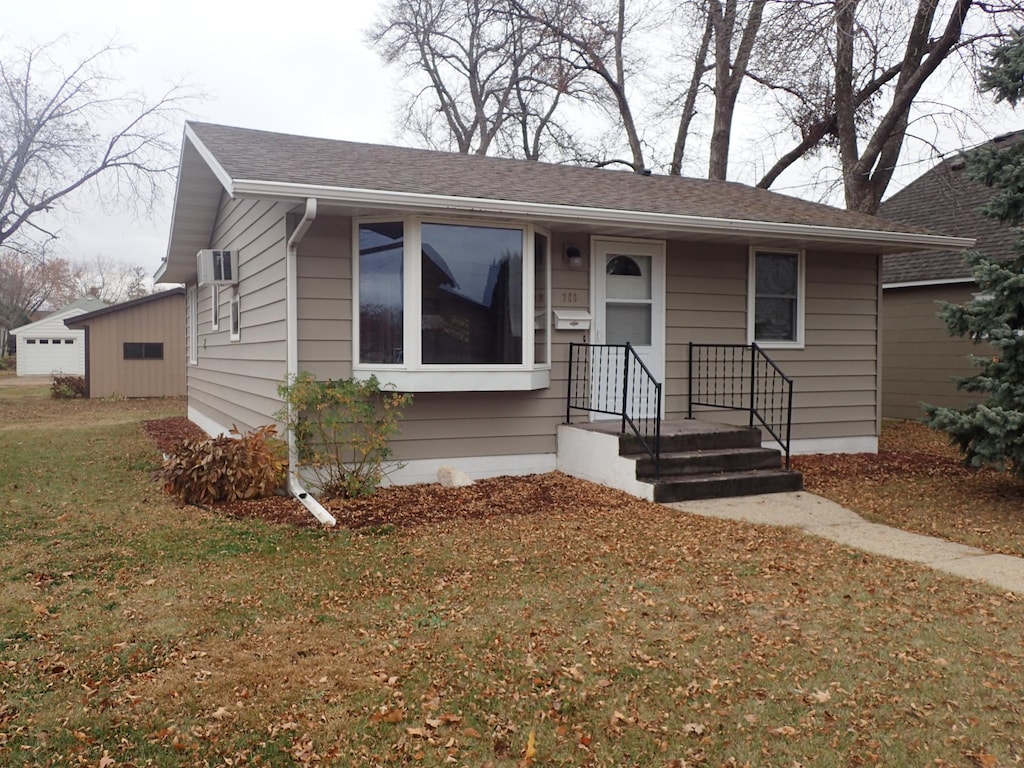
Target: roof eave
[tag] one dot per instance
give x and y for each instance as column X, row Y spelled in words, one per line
column 928, row 283
column 889, row 242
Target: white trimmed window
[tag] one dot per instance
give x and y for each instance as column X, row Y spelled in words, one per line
column 775, row 298
column 439, row 297
column 215, row 307
column 236, row 317
column 191, row 324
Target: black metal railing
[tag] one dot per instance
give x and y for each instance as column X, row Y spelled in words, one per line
column 612, row 379
column 741, row 377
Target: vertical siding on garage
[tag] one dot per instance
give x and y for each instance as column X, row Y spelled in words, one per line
column 235, row 382
column 919, row 357
column 158, row 321
column 836, row 372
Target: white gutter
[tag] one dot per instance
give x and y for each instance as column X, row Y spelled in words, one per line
column 292, row 354
column 577, row 214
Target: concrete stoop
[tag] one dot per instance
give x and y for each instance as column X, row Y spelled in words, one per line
column 699, row 460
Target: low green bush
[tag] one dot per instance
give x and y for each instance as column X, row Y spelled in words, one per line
column 341, row 429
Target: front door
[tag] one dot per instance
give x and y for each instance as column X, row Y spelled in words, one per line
column 629, row 301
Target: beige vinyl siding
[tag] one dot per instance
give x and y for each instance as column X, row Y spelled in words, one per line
column 920, row 358
column 436, row 425
column 835, row 374
column 325, row 298
column 235, row 382
column 160, row 321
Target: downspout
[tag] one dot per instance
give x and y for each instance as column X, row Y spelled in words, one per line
column 292, row 354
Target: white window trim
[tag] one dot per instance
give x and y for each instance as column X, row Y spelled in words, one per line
column 801, row 301
column 215, row 307
column 235, row 317
column 412, row 375
column 191, row 324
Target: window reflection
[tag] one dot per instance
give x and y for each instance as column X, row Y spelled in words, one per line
column 380, row 292
column 472, row 295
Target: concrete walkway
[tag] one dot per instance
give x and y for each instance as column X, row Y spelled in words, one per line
column 821, row 517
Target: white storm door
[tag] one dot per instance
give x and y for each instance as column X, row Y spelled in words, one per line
column 629, row 303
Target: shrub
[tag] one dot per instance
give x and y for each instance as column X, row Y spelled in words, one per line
column 341, row 430
column 67, row 387
column 8, row 363
column 226, row 468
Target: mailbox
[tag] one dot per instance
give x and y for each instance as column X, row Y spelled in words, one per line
column 572, row 320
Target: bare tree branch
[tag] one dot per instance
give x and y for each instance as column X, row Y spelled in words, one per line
column 61, row 131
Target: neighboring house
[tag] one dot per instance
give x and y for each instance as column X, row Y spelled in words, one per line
column 919, row 358
column 463, row 279
column 48, row 347
column 136, row 348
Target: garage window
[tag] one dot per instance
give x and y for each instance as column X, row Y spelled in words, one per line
column 138, row 350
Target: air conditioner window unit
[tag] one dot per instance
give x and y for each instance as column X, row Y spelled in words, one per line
column 217, row 267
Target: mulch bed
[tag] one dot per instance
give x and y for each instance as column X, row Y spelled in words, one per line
column 401, row 506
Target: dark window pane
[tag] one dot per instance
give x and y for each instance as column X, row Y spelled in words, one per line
column 381, row 249
column 472, row 295
column 137, row 350
column 775, row 320
column 777, row 274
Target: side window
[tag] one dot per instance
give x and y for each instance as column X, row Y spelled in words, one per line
column 236, row 317
column 191, row 324
column 776, row 297
column 215, row 307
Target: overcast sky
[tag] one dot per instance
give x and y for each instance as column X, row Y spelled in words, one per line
column 291, row 67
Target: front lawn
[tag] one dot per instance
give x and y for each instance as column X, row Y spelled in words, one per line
column 592, row 630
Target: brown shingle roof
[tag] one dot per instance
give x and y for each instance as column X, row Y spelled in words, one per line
column 298, row 160
column 944, row 199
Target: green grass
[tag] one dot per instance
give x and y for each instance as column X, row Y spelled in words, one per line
column 617, row 633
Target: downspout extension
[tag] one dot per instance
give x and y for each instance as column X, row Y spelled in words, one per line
column 292, row 363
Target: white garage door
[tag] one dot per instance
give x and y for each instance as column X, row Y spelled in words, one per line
column 51, row 354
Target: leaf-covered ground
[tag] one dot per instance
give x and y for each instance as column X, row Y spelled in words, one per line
column 566, row 625
column 917, row 482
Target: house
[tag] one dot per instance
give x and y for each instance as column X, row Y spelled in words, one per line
column 464, row 280
column 135, row 348
column 48, row 347
column 920, row 360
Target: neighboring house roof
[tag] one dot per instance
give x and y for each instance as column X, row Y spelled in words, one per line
column 368, row 178
column 944, row 197
column 77, row 307
column 106, row 310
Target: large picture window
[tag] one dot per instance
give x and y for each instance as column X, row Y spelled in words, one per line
column 472, row 289
column 437, row 296
column 776, row 297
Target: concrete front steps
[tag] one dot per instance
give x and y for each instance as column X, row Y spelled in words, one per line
column 699, row 460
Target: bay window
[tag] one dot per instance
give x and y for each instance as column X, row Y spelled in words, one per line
column 445, row 306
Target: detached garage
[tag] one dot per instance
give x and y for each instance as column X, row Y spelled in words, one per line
column 135, row 349
column 48, row 347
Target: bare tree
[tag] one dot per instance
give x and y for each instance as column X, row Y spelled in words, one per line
column 109, row 280
column 880, row 59
column 730, row 71
column 487, row 77
column 29, row 282
column 62, row 129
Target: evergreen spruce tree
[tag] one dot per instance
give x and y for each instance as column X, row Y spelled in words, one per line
column 991, row 432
